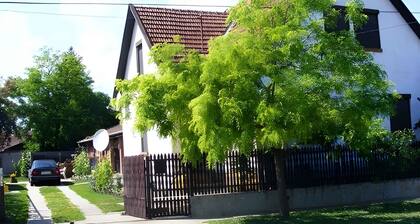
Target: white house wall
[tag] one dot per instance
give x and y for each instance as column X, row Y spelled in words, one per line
column 132, row 139
column 401, row 54
column 400, row 59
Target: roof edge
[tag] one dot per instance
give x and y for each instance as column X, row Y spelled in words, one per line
column 407, row 15
column 125, row 48
column 140, row 24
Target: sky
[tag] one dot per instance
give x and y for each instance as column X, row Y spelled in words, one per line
column 97, row 39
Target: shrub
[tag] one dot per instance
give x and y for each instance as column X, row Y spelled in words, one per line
column 103, row 176
column 24, row 163
column 81, row 164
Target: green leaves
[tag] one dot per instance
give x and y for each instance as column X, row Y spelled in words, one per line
column 323, row 86
column 56, row 101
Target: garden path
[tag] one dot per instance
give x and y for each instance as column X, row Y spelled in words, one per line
column 39, row 213
column 84, row 205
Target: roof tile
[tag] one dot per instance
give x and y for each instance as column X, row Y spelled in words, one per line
column 196, row 28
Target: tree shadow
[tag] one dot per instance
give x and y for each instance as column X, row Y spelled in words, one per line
column 16, row 187
column 403, row 212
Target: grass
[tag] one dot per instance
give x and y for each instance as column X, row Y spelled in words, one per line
column 17, row 204
column 61, row 208
column 407, row 212
column 107, row 203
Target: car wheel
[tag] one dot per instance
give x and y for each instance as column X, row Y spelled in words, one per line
column 58, row 182
column 32, row 184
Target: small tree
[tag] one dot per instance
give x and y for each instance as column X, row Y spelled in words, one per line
column 275, row 79
column 103, row 176
column 81, row 164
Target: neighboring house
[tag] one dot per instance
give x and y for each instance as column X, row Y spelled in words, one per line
column 10, row 154
column 114, row 151
column 393, row 39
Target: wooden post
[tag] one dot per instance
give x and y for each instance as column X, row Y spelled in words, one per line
column 280, row 161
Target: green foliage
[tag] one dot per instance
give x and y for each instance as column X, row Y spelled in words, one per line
column 24, row 163
column 398, row 144
column 102, row 176
column 56, row 101
column 7, row 113
column 275, row 79
column 81, row 164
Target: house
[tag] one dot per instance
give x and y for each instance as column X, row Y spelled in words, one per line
column 393, row 39
column 10, row 154
column 114, row 151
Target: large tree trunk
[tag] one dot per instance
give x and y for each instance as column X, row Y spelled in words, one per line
column 279, row 160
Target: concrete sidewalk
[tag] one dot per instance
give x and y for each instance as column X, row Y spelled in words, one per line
column 84, row 205
column 39, row 213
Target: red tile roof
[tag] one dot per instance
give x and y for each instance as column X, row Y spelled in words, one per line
column 196, row 28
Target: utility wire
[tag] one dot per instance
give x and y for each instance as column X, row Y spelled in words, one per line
column 124, row 4
column 141, row 4
column 61, row 14
column 116, row 17
column 109, row 4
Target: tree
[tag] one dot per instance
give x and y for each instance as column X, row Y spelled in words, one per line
column 57, row 103
column 7, row 114
column 276, row 79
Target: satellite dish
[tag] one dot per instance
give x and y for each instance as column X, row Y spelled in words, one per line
column 100, row 140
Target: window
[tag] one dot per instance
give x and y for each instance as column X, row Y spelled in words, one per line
column 402, row 118
column 139, row 54
column 368, row 34
column 337, row 23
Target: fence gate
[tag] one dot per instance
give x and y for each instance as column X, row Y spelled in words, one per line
column 167, row 184
column 134, row 186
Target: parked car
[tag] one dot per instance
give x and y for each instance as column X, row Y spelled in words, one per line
column 44, row 170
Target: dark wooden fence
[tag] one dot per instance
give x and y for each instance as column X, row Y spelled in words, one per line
column 134, row 186
column 169, row 183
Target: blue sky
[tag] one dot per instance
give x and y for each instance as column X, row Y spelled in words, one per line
column 97, row 40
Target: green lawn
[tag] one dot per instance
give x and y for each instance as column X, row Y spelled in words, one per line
column 61, row 208
column 106, row 202
column 17, row 204
column 407, row 212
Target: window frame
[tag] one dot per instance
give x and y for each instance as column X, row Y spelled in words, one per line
column 366, row 11
column 139, row 58
column 406, row 98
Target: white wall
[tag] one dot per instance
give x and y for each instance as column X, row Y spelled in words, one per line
column 132, row 139
column 401, row 54
column 400, row 59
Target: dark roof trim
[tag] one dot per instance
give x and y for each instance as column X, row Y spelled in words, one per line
column 132, row 18
column 407, row 15
column 125, row 47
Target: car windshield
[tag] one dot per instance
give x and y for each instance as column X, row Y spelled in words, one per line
column 43, row 163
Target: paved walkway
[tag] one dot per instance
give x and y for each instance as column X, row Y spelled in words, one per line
column 38, row 210
column 84, row 205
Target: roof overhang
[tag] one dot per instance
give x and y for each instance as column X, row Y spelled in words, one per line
column 407, row 15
